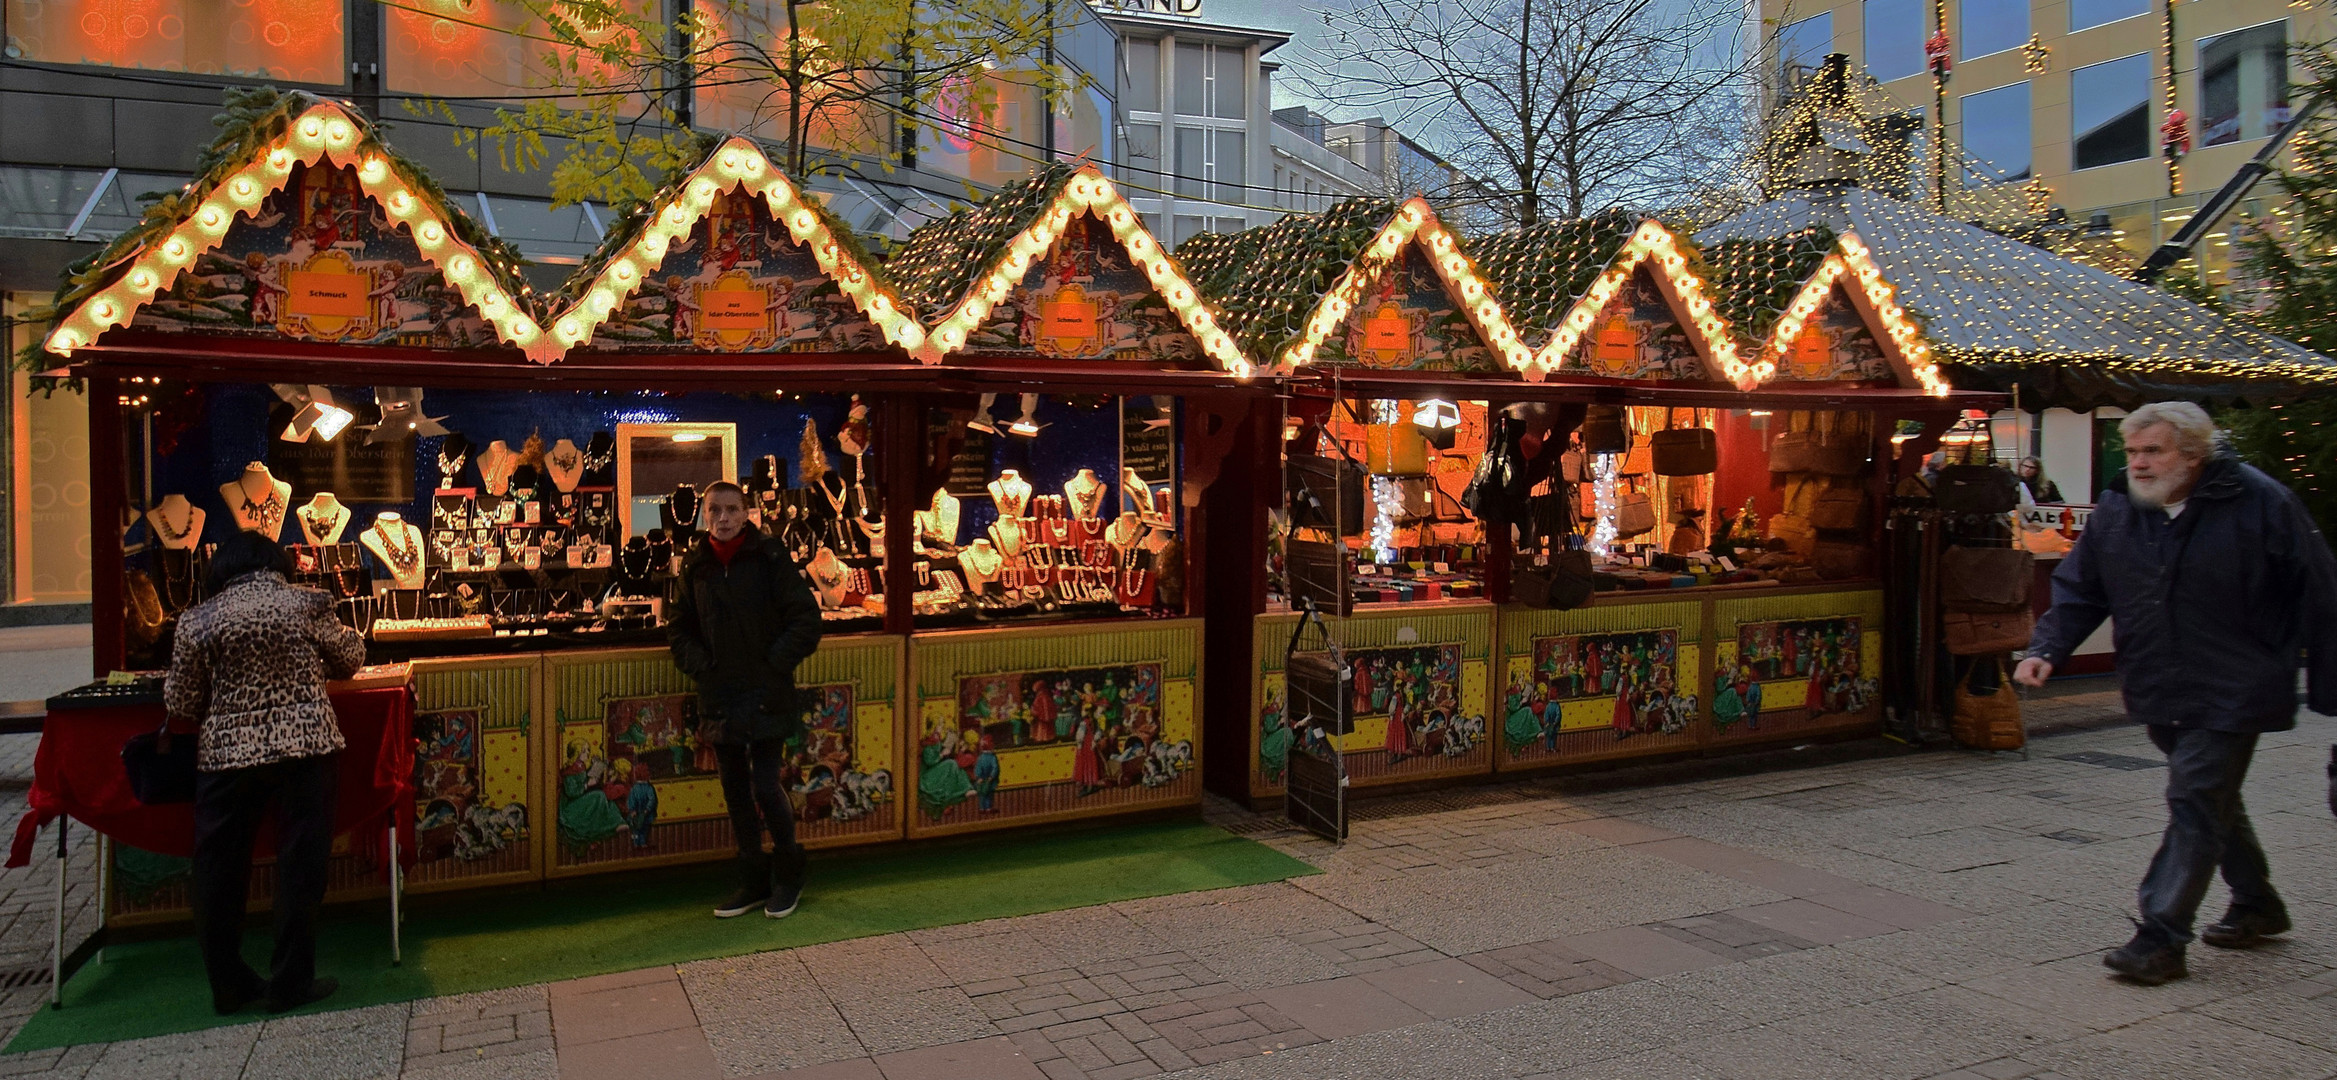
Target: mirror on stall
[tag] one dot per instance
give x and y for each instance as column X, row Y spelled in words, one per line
column 657, row 460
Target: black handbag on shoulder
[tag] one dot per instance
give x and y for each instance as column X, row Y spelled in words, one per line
column 161, row 766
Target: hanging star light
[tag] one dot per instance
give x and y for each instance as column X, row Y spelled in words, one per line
column 325, row 132
column 736, row 164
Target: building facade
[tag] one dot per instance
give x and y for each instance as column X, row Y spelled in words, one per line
column 2073, row 93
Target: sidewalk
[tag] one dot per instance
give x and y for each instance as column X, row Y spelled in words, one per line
column 1931, row 915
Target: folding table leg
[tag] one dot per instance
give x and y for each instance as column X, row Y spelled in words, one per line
column 57, row 927
column 397, row 894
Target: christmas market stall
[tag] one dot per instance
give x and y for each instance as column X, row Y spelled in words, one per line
column 992, row 472
column 1612, row 494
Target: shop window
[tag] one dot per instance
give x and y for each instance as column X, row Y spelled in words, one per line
column 293, row 40
column 1037, row 507
column 985, row 130
column 1082, row 131
column 1996, row 135
column 2109, row 108
column 1802, row 46
column 553, row 513
column 1408, row 540
column 1895, row 30
column 740, row 93
column 2243, row 84
column 1209, row 81
column 1142, row 92
column 1992, row 26
column 2086, row 14
column 481, row 48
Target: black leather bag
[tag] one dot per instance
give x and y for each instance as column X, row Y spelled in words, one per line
column 1603, row 431
column 1567, row 582
column 161, row 766
column 1976, row 489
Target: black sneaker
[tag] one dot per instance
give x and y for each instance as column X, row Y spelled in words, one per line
column 237, row 1000
column 2239, row 929
column 741, row 902
column 2147, row 963
column 318, row 990
column 782, row 902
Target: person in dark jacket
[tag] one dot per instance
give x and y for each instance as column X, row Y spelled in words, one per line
column 2219, row 587
column 250, row 665
column 744, row 619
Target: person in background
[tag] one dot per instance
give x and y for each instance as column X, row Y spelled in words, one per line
column 2032, row 476
column 744, row 620
column 2221, row 587
column 250, row 665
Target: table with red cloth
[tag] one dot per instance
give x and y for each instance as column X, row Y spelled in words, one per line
column 78, row 772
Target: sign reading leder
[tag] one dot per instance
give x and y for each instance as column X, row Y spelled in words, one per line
column 309, row 292
column 734, row 308
column 1387, row 331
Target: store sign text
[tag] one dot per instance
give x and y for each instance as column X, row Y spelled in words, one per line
column 326, row 294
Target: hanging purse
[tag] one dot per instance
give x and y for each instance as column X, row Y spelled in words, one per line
column 1976, row 489
column 1986, row 580
column 1971, row 633
column 1634, row 514
column 161, row 766
column 1690, row 451
column 1842, row 508
column 1988, row 719
column 1566, row 582
column 1603, row 430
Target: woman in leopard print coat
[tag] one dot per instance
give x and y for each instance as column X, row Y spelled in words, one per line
column 250, row 665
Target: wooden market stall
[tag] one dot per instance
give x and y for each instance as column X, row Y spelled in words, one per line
column 1417, row 353
column 310, row 341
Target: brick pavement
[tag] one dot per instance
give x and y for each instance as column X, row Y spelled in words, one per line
column 1934, row 915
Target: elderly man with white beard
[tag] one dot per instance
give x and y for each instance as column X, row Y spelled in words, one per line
column 2219, row 587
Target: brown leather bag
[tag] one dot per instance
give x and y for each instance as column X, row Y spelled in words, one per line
column 1835, row 560
column 1839, row 508
column 1691, row 451
column 1986, row 579
column 1980, row 633
column 1988, row 720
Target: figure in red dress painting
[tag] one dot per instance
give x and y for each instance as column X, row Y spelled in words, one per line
column 1043, row 710
column 1086, row 770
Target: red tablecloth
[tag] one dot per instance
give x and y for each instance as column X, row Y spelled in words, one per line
column 78, row 771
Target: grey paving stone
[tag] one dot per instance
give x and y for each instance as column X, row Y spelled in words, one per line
column 1615, row 1022
column 810, row 1033
column 2186, row 1045
column 542, row 1064
column 894, row 1022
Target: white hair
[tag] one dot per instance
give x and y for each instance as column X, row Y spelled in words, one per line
column 2194, row 429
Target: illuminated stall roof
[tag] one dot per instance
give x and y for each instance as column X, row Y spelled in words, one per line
column 318, row 268
column 1365, row 282
column 1654, row 255
column 1812, row 307
column 683, row 215
column 1057, row 266
column 1998, row 312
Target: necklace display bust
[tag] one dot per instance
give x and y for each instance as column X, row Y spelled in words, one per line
column 828, row 576
column 397, row 544
column 1085, row 491
column 321, row 520
column 941, row 522
column 495, row 465
column 177, row 523
column 1011, row 493
column 257, row 500
column 565, row 463
column 981, row 563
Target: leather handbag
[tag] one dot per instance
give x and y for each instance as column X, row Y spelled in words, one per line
column 1976, row 489
column 1565, row 582
column 1980, row 633
column 1688, row 451
column 1793, row 452
column 1326, row 493
column 1316, row 680
column 161, row 766
column 1835, row 560
column 1988, row 719
column 1640, row 461
column 1986, row 580
column 1603, row 430
column 1634, row 514
column 1840, row 508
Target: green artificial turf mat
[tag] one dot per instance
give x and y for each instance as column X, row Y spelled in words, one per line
column 459, row 943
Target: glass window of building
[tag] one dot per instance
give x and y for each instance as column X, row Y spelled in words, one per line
column 1802, row 46
column 2243, row 84
column 1143, row 75
column 291, row 40
column 1210, row 81
column 2109, row 111
column 2084, row 14
column 471, row 48
column 1211, row 164
column 1895, row 30
column 1144, row 154
column 1992, row 26
column 1996, row 134
column 987, row 130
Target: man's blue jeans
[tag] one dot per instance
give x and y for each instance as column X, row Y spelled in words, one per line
column 2207, row 830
